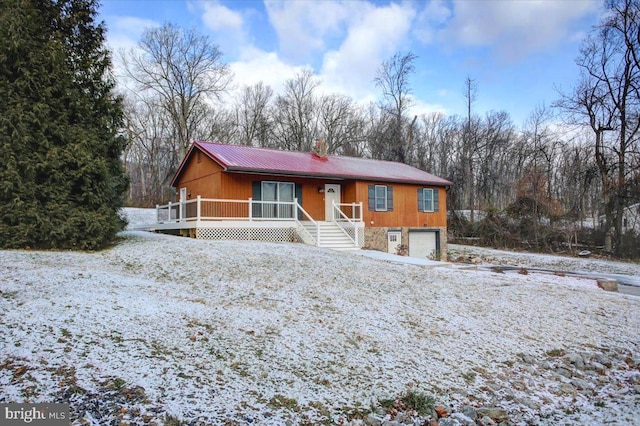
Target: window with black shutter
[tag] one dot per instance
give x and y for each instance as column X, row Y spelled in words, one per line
column 380, row 198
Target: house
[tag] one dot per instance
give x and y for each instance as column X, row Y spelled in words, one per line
column 630, row 219
column 242, row 192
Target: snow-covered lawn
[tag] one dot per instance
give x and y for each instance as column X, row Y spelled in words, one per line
column 139, row 218
column 164, row 329
column 545, row 261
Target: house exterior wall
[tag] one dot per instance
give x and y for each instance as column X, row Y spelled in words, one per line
column 207, row 179
column 376, row 238
column 200, row 178
column 405, row 207
column 239, row 186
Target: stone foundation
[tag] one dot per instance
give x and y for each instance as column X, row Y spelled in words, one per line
column 376, row 239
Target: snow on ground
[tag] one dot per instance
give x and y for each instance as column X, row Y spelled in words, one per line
column 544, row 261
column 161, row 328
column 139, row 218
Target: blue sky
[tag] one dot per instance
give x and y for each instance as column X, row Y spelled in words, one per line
column 518, row 51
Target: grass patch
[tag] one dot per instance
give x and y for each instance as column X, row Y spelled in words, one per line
column 170, row 420
column 422, row 403
column 469, row 377
column 555, row 353
column 387, row 404
column 355, row 413
column 281, row 401
column 115, row 384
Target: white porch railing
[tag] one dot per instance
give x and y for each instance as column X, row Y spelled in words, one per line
column 350, row 222
column 347, row 211
column 207, row 209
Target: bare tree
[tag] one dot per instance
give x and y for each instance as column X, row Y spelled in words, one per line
column 607, row 99
column 253, row 115
column 393, row 79
column 295, row 118
column 340, row 124
column 470, row 142
column 184, row 69
column 493, row 147
column 149, row 153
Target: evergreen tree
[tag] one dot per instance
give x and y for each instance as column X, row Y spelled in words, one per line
column 61, row 179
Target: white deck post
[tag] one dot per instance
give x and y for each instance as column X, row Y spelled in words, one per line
column 360, row 203
column 169, row 212
column 198, row 208
column 157, row 213
column 250, row 209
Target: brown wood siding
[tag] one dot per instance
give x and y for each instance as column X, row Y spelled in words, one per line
column 200, row 178
column 405, row 207
column 237, row 186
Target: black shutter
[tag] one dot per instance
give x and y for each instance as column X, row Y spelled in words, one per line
column 299, row 198
column 372, row 197
column 389, row 198
column 420, row 199
column 256, row 188
column 436, row 202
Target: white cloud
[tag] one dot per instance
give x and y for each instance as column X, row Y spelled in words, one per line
column 370, row 35
column 124, row 31
column 220, row 18
column 123, row 35
column 419, row 107
column 256, row 65
column 515, row 28
column 229, row 26
column 304, row 26
column 432, row 18
column 373, row 36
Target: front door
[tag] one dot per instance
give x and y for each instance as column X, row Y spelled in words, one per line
column 394, row 238
column 331, row 194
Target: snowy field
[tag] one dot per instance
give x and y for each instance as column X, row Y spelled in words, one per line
column 545, row 261
column 169, row 330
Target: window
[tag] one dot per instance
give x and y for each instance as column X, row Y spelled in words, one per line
column 380, row 198
column 428, row 200
column 278, row 192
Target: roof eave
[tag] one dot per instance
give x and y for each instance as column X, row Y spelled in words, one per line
column 187, row 157
column 334, row 177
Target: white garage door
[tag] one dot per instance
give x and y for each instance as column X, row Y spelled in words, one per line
column 423, row 244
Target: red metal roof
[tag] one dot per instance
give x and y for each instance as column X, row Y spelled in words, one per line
column 240, row 158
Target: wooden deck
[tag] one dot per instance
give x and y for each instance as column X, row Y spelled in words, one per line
column 260, row 220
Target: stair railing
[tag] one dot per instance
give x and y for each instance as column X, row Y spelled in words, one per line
column 345, row 224
column 303, row 230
